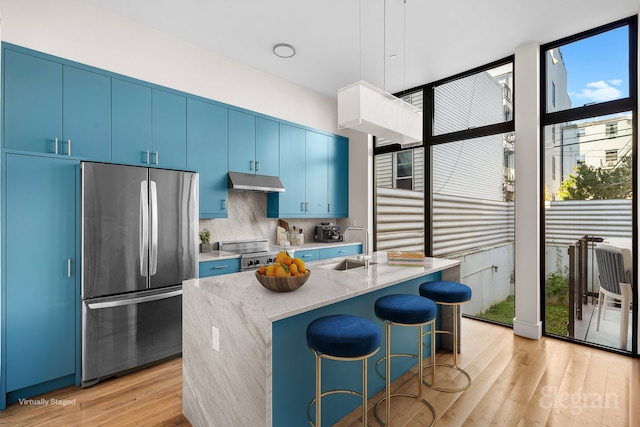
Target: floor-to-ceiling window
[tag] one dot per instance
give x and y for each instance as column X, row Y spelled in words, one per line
column 471, row 144
column 589, row 117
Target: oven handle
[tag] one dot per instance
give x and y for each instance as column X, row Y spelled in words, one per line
column 132, row 301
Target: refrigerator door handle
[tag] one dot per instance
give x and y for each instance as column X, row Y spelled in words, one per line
column 153, row 256
column 132, row 301
column 144, row 228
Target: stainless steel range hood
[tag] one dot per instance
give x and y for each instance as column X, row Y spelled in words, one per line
column 250, row 182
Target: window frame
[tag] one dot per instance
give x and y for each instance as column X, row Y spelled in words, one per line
column 617, row 106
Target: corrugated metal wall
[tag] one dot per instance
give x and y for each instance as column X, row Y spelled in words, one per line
column 471, row 167
column 465, row 225
column 468, row 102
column 461, row 225
column 399, row 219
column 568, row 220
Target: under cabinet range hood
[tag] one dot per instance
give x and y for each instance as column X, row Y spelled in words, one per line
column 251, row 182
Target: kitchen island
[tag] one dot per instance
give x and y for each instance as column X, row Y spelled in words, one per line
column 245, row 357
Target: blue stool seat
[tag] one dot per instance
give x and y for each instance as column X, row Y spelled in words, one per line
column 406, row 309
column 343, row 335
column 444, row 291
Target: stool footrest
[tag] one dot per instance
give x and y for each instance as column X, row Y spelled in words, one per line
column 413, row 396
column 449, row 390
column 327, row 393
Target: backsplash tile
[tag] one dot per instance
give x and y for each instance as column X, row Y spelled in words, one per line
column 248, row 220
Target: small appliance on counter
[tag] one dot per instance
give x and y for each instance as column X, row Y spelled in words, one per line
column 327, row 233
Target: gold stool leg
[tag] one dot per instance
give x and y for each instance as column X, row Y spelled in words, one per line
column 364, row 392
column 388, row 373
column 318, row 390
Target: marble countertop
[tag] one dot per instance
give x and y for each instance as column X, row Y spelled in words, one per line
column 221, row 255
column 325, row 286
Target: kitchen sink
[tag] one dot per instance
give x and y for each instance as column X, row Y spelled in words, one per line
column 345, row 264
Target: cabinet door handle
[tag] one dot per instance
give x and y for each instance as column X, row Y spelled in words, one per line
column 219, row 267
column 148, row 154
column 68, row 267
column 329, row 207
column 257, row 165
column 224, row 204
column 251, row 165
column 301, row 206
column 306, row 206
column 55, row 147
column 68, row 147
column 157, row 158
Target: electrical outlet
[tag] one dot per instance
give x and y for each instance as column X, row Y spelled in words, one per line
column 215, row 338
column 272, row 225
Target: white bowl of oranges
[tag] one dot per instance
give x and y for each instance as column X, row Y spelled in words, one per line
column 286, row 274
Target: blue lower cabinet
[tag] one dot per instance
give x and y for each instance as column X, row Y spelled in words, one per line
column 308, row 255
column 42, row 297
column 216, row 268
column 340, row 251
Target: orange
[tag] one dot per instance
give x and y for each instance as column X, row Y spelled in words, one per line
column 293, row 269
column 281, row 256
column 286, row 260
column 300, row 263
column 262, row 270
column 271, row 270
column 280, row 272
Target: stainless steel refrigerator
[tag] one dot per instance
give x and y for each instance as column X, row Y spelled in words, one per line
column 139, row 242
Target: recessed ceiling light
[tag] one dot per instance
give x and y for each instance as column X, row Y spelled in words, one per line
column 284, row 50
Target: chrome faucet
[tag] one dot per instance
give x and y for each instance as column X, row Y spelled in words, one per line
column 365, row 256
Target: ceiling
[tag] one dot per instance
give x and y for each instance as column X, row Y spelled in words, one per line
column 341, row 41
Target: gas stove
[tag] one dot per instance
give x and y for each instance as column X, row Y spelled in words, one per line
column 253, row 253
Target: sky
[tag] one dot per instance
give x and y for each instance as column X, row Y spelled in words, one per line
column 598, row 67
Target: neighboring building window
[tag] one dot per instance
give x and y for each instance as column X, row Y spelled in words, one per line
column 611, row 158
column 580, row 132
column 404, row 170
column 612, row 130
column 553, row 168
column 553, row 94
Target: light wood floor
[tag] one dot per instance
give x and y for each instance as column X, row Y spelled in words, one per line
column 516, row 382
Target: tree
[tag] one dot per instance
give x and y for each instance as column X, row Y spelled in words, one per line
column 590, row 183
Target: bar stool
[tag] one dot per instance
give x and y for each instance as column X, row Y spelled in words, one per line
column 341, row 337
column 453, row 294
column 405, row 310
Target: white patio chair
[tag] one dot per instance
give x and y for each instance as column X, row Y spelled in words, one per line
column 614, row 278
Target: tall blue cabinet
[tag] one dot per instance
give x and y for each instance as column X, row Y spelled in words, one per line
column 40, row 303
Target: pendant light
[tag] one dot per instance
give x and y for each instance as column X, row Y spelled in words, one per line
column 366, row 108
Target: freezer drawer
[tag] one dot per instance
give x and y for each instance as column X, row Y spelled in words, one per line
column 122, row 333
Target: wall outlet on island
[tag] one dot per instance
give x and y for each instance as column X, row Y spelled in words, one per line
column 215, row 338
column 272, row 225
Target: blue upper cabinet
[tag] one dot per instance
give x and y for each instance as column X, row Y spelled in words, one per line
column 149, row 126
column 242, row 142
column 131, row 123
column 338, row 177
column 267, row 147
column 207, row 155
column 316, row 187
column 32, row 103
column 291, row 203
column 168, row 129
column 316, row 174
column 86, row 114
column 54, row 108
column 253, row 144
